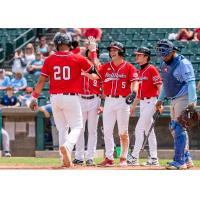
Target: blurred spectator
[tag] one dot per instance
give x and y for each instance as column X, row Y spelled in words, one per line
column 4, row 80
column 197, row 34
column 26, row 98
column 47, row 110
column 51, row 48
column 18, row 82
column 43, row 46
column 104, row 58
column 95, row 32
column 29, row 53
column 6, row 143
column 36, row 65
column 185, row 34
column 9, row 99
column 18, row 62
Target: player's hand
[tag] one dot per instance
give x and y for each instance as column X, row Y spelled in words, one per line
column 33, row 104
column 130, row 98
column 159, row 106
column 92, row 44
column 100, row 110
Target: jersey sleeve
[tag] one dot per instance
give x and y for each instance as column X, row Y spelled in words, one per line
column 133, row 75
column 84, row 63
column 45, row 68
column 187, row 71
column 155, row 75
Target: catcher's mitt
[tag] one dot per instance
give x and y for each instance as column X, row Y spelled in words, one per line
column 130, row 98
column 33, row 104
column 189, row 118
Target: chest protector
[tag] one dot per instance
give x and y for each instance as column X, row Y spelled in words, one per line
column 171, row 85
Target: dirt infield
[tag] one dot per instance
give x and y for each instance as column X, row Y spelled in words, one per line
column 40, row 167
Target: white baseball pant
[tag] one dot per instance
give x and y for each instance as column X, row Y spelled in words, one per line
column 67, row 113
column 147, row 109
column 89, row 111
column 5, row 140
column 114, row 109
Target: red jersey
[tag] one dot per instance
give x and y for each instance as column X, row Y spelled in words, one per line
column 64, row 70
column 149, row 77
column 117, row 79
column 90, row 86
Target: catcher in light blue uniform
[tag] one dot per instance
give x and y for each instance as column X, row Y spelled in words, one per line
column 179, row 87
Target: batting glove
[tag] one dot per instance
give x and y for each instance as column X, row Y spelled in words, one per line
column 92, row 44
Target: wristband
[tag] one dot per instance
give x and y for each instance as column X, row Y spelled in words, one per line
column 36, row 95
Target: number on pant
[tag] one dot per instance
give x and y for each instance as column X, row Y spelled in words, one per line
column 95, row 83
column 65, row 75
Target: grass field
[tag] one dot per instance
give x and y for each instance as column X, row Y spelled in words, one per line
column 56, row 162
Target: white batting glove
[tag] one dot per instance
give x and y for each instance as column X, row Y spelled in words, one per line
column 92, row 44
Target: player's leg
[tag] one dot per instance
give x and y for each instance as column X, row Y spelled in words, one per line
column 73, row 114
column 123, row 113
column 109, row 119
column 149, row 111
column 139, row 133
column 180, row 104
column 6, row 142
column 92, row 131
column 80, row 145
column 55, row 136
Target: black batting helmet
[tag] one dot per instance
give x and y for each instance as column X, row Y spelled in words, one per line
column 119, row 46
column 62, row 38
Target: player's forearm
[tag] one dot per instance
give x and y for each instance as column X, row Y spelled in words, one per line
column 39, row 86
column 134, row 86
column 159, row 86
column 192, row 95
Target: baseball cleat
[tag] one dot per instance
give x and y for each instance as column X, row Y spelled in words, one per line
column 90, row 162
column 106, row 163
column 66, row 157
column 123, row 162
column 7, row 154
column 132, row 161
column 78, row 162
column 152, row 162
column 189, row 164
column 176, row 166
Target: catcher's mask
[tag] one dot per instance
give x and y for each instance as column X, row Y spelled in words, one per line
column 165, row 47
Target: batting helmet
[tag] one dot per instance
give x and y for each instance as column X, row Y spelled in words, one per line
column 119, row 46
column 164, row 48
column 62, row 38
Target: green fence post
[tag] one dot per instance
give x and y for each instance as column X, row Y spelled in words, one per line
column 40, row 131
column 0, row 130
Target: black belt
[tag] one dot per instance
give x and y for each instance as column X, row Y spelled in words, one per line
column 72, row 94
column 90, row 97
column 143, row 98
column 117, row 96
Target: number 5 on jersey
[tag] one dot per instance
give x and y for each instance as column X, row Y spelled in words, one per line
column 61, row 73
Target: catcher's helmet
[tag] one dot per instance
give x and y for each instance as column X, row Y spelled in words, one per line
column 164, row 48
column 62, row 38
column 119, row 46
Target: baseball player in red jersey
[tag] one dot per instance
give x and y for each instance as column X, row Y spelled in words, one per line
column 118, row 77
column 149, row 89
column 64, row 71
column 90, row 102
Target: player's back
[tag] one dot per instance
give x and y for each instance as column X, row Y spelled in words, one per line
column 64, row 70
